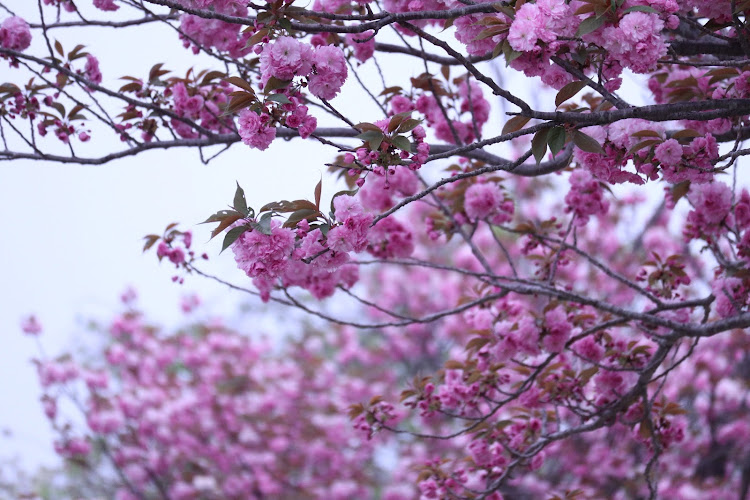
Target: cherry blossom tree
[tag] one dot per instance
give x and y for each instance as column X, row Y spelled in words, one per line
column 544, row 299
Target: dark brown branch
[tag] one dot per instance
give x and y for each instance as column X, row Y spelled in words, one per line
column 107, row 24
column 701, row 48
column 104, row 90
column 692, row 110
column 470, row 67
column 379, row 20
column 222, row 139
column 444, row 60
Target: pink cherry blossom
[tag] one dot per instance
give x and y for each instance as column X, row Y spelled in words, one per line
column 15, row 34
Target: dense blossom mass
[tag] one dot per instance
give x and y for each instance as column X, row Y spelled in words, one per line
column 530, row 286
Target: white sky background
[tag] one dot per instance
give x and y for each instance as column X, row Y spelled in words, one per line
column 72, row 235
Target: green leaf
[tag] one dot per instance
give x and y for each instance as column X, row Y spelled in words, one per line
column 688, row 133
column 408, row 125
column 498, row 48
column 274, row 83
column 539, row 145
column 556, row 139
column 264, row 223
column 515, row 124
column 225, row 223
column 505, row 9
column 391, row 90
column 287, row 206
column 640, row 8
column 240, row 203
column 239, row 82
column 646, row 133
column 265, row 16
column 156, row 72
column 77, row 53
column 644, row 144
column 212, row 75
column 257, row 37
column 318, row 193
column 396, row 120
column 60, row 108
column 240, row 100
column 9, row 88
column 150, row 240
column 510, row 54
column 299, row 215
column 679, row 190
column 367, row 127
column 587, row 143
column 402, row 143
column 286, row 24
column 221, row 215
column 280, row 98
column 568, row 91
column 232, row 236
column 75, row 110
column 373, row 138
column 589, row 25
column 490, row 32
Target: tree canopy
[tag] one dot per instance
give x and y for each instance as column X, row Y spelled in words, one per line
column 543, row 297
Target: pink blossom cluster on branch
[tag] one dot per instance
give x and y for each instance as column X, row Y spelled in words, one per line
column 526, row 317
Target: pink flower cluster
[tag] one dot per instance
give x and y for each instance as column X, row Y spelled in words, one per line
column 687, row 163
column 557, row 330
column 484, row 200
column 202, row 105
column 30, row 326
column 15, row 34
column 468, row 29
column 732, row 296
column 264, row 257
column 256, row 127
column 362, row 44
column 329, row 72
column 208, row 413
column 676, row 163
column 324, row 67
column 542, row 21
column 185, row 104
column 68, row 5
column 310, row 259
column 384, row 188
column 711, row 215
column 471, row 102
column 585, row 198
column 351, row 234
column 299, row 118
column 226, row 37
column 636, row 42
column 255, row 130
column 106, row 5
column 285, row 58
column 91, row 70
column 390, row 238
